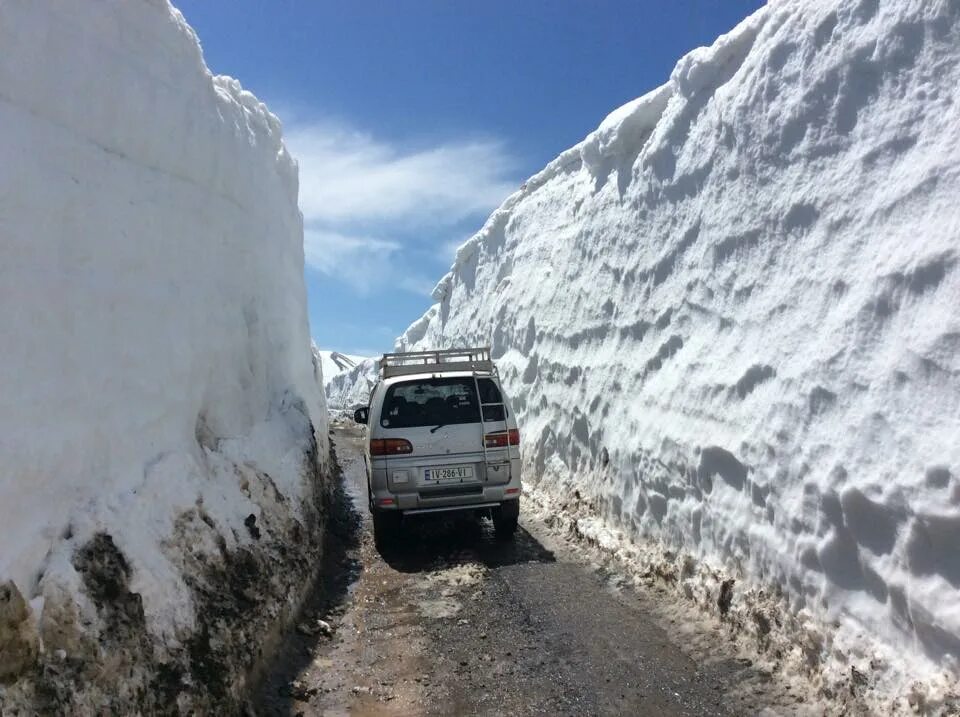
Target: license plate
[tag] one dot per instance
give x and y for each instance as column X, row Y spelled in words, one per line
column 450, row 474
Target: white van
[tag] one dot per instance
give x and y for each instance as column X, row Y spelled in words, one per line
column 428, row 450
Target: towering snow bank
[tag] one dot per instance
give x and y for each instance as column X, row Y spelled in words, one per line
column 157, row 398
column 729, row 319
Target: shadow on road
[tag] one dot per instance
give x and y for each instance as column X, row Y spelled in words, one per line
column 352, row 566
column 433, row 542
column 341, row 567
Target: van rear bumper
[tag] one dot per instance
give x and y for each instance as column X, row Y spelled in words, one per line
column 460, row 496
column 420, row 511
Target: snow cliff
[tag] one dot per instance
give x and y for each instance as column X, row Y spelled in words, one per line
column 162, row 428
column 728, row 322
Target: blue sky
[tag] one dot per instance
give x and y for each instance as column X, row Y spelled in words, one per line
column 412, row 120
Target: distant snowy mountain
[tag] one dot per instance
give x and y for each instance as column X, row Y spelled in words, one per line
column 333, row 362
column 347, row 379
column 728, row 320
column 349, row 389
column 163, row 439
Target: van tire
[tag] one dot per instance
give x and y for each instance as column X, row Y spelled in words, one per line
column 386, row 528
column 505, row 518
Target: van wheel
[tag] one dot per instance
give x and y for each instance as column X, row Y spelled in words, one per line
column 386, row 528
column 505, row 517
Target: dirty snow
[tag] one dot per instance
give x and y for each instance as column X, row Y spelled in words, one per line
column 727, row 320
column 155, row 362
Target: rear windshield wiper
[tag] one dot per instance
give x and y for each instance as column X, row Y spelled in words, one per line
column 437, row 428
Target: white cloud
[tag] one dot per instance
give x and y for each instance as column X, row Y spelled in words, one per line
column 360, row 195
column 326, row 251
column 365, row 264
column 351, row 178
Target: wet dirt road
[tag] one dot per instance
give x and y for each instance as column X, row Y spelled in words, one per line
column 455, row 622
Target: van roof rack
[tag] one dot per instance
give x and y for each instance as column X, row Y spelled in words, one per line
column 410, row 362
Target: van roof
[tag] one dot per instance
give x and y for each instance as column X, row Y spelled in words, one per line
column 437, row 374
column 445, row 361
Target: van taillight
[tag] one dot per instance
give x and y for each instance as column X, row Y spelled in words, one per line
column 390, row 446
column 502, row 439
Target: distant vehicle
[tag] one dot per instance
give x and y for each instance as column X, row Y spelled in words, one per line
column 428, row 450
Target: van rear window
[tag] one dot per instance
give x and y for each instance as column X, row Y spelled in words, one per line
column 430, row 402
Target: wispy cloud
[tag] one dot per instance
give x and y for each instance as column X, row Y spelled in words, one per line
column 326, row 251
column 351, row 178
column 368, row 204
column 363, row 263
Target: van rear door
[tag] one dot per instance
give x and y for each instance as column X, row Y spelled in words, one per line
column 439, row 416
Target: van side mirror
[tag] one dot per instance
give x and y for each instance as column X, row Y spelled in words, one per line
column 361, row 415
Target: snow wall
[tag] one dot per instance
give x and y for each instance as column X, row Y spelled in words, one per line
column 728, row 321
column 161, row 486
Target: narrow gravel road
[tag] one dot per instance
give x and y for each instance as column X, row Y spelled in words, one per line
column 456, row 623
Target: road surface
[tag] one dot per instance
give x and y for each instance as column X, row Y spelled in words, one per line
column 455, row 622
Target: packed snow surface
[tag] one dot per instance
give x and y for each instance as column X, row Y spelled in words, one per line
column 728, row 319
column 155, row 353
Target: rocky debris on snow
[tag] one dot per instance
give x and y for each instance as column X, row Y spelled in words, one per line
column 299, row 690
column 239, row 596
column 18, row 637
column 857, row 678
column 725, row 597
column 251, row 524
column 315, row 627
